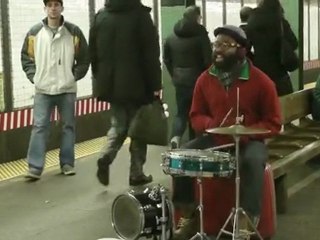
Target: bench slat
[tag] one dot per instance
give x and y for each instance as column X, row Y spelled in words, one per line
column 295, row 105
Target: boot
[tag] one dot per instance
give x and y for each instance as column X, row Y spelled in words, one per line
column 140, row 180
column 103, row 172
column 188, row 224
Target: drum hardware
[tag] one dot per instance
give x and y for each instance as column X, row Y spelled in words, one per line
column 237, row 131
column 146, row 213
column 197, row 163
column 164, row 218
column 154, row 195
column 202, row 235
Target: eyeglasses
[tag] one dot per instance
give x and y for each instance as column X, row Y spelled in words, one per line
column 225, row 45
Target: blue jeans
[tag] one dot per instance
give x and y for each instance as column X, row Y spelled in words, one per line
column 253, row 157
column 43, row 107
column 121, row 116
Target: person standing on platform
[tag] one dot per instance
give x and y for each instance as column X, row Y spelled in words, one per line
column 231, row 83
column 124, row 49
column 266, row 29
column 187, row 53
column 245, row 12
column 244, row 16
column 54, row 56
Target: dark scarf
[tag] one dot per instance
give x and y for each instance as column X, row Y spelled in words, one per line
column 227, row 78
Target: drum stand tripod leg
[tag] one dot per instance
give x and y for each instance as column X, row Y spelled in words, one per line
column 164, row 218
column 235, row 213
column 200, row 235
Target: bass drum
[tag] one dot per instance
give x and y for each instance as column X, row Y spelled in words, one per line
column 138, row 214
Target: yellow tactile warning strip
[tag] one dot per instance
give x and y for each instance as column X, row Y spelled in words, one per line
column 19, row 167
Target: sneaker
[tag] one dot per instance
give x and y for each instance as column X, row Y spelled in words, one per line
column 33, row 174
column 103, row 171
column 244, row 227
column 67, row 170
column 175, row 142
column 255, row 220
column 140, row 180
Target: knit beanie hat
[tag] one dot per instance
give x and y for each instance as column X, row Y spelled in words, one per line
column 232, row 31
column 192, row 13
column 46, row 1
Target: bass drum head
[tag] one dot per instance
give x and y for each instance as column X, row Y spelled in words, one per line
column 127, row 217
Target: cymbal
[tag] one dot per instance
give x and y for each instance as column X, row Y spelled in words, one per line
column 237, row 129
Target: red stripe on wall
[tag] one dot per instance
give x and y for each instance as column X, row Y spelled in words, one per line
column 5, row 122
column 311, row 64
column 24, row 117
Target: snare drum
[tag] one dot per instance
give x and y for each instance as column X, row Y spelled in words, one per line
column 195, row 163
column 139, row 214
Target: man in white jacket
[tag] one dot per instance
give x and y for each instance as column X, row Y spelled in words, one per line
column 54, row 56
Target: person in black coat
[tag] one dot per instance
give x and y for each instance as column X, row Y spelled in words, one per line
column 245, row 12
column 265, row 28
column 124, row 49
column 187, row 53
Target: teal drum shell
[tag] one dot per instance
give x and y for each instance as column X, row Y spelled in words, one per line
column 198, row 163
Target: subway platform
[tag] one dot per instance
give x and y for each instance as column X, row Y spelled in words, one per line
column 77, row 207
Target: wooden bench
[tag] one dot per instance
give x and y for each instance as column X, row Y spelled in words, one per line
column 298, row 143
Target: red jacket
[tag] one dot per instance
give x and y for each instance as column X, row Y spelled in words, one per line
column 259, row 103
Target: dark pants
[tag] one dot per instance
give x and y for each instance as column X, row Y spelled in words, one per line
column 183, row 100
column 252, row 163
column 121, row 116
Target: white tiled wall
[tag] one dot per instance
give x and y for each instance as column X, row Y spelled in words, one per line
column 214, row 14
column 1, row 67
column 23, row 15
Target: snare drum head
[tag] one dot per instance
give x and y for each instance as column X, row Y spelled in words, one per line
column 127, row 216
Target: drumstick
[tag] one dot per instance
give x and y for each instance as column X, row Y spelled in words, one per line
column 221, row 146
column 225, row 117
column 238, row 99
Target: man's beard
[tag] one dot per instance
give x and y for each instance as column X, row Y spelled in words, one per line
column 228, row 63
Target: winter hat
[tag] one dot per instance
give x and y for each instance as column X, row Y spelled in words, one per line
column 46, row 1
column 232, row 31
column 192, row 13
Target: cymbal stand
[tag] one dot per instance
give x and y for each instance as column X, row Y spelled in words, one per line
column 200, row 235
column 235, row 212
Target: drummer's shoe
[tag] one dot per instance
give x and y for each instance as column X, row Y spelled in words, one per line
column 245, row 227
column 103, row 171
column 140, row 180
column 186, row 228
column 175, row 142
column 255, row 220
column 188, row 224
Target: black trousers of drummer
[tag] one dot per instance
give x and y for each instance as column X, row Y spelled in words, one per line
column 252, row 159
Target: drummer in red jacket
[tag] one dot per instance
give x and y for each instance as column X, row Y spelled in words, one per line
column 232, row 87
